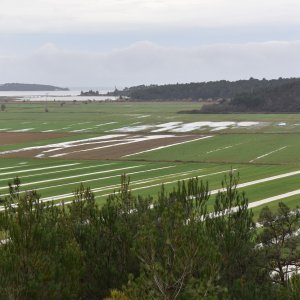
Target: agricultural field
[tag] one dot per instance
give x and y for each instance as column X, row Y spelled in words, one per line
column 95, row 143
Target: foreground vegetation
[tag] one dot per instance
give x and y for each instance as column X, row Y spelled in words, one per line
column 136, row 248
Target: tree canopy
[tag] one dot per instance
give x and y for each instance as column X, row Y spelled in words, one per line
column 136, row 247
column 222, row 89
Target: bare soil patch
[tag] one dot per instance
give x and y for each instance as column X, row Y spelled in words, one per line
column 12, row 138
column 109, row 150
column 116, row 152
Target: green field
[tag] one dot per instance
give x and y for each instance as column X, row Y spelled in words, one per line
column 78, row 116
column 257, row 152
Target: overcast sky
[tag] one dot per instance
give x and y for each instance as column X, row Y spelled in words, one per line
column 129, row 42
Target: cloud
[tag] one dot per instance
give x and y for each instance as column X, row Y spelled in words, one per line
column 81, row 30
column 147, row 63
column 119, row 15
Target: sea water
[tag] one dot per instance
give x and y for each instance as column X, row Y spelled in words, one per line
column 72, row 95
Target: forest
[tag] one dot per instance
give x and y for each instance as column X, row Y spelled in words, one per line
column 182, row 245
column 222, row 89
column 285, row 98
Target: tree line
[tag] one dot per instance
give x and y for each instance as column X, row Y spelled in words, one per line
column 222, row 89
column 181, row 245
column 284, row 98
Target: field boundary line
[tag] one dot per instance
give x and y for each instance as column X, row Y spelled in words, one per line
column 213, row 192
column 267, row 154
column 144, row 187
column 39, row 169
column 60, row 171
column 54, row 198
column 273, row 198
column 94, row 179
column 76, row 176
column 168, row 146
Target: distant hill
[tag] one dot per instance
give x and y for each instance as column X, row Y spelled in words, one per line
column 199, row 91
column 284, row 98
column 7, row 87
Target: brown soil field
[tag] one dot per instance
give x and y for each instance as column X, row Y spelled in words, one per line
column 114, row 151
column 12, row 138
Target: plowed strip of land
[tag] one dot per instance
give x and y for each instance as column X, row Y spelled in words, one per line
column 12, row 138
column 117, row 150
column 111, row 150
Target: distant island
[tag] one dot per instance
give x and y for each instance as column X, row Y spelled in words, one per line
column 90, row 93
column 15, row 87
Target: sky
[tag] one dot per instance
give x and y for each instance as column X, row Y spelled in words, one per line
column 122, row 43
